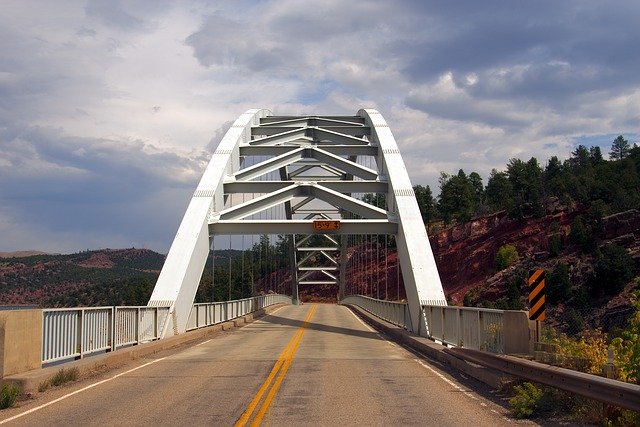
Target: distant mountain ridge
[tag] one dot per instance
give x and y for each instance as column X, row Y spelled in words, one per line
column 88, row 278
column 21, row 254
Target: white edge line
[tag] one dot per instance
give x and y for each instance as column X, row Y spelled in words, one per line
column 79, row 391
column 362, row 321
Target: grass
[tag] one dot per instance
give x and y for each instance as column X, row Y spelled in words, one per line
column 8, row 395
column 61, row 377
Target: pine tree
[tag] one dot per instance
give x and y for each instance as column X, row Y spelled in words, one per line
column 620, row 148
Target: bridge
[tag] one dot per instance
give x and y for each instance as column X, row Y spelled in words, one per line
column 328, row 197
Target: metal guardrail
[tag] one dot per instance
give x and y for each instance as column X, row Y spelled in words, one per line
column 476, row 328
column 211, row 313
column 73, row 333
column 612, row 392
column 393, row 312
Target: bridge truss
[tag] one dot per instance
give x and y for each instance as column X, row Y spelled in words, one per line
column 303, row 177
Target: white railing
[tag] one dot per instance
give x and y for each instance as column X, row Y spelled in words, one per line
column 73, row 333
column 207, row 314
column 77, row 332
column 476, row 328
column 134, row 325
column 391, row 311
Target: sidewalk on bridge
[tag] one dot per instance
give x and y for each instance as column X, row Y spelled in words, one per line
column 433, row 350
column 32, row 381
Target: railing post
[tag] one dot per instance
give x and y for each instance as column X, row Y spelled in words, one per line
column 114, row 346
column 480, row 329
column 112, row 328
column 80, row 343
column 138, row 325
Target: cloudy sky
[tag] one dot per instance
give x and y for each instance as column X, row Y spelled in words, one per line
column 109, row 109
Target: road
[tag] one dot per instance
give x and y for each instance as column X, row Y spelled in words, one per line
column 302, row 365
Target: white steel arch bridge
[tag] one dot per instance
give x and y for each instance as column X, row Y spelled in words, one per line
column 302, row 177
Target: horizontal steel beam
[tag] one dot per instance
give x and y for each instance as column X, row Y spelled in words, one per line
column 318, row 282
column 339, row 150
column 278, row 119
column 248, row 227
column 343, row 129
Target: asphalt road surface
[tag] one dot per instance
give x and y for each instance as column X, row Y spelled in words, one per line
column 302, row 365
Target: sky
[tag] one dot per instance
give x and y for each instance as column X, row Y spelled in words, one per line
column 109, row 110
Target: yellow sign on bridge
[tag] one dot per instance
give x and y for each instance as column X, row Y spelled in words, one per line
column 326, row 224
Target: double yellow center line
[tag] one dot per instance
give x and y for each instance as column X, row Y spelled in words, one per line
column 280, row 370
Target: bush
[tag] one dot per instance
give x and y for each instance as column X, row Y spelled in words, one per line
column 526, row 400
column 507, row 256
column 558, row 284
column 8, row 395
column 613, row 270
column 627, row 345
column 555, row 245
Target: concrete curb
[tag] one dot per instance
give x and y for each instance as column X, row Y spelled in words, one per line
column 491, row 377
column 32, row 380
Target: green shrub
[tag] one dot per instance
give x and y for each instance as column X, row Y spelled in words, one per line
column 627, row 345
column 555, row 245
column 507, row 256
column 526, row 400
column 558, row 284
column 8, row 395
column 613, row 270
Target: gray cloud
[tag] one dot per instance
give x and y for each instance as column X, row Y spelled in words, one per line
column 107, row 111
column 71, row 184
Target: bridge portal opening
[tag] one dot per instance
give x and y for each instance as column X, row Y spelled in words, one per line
column 323, row 199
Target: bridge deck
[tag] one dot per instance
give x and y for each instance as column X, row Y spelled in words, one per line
column 337, row 372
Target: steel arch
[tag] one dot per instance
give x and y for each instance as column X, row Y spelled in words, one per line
column 316, row 160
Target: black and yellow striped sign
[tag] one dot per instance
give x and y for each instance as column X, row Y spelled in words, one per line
column 536, row 295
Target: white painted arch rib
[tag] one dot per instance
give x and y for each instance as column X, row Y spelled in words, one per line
column 419, row 270
column 180, row 275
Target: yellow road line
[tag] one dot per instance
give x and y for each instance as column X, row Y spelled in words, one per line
column 281, row 366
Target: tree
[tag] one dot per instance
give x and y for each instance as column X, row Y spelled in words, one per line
column 613, row 270
column 456, row 197
column 499, row 191
column 580, row 158
column 558, row 284
column 595, row 155
column 620, row 149
column 426, row 203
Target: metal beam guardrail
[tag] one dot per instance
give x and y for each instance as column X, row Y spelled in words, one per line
column 73, row 333
column 211, row 313
column 605, row 390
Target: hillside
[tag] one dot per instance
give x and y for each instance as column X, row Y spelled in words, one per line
column 466, row 255
column 103, row 277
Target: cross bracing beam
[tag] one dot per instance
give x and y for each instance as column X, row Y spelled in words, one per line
column 320, row 161
column 302, row 189
column 302, row 154
column 310, row 133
